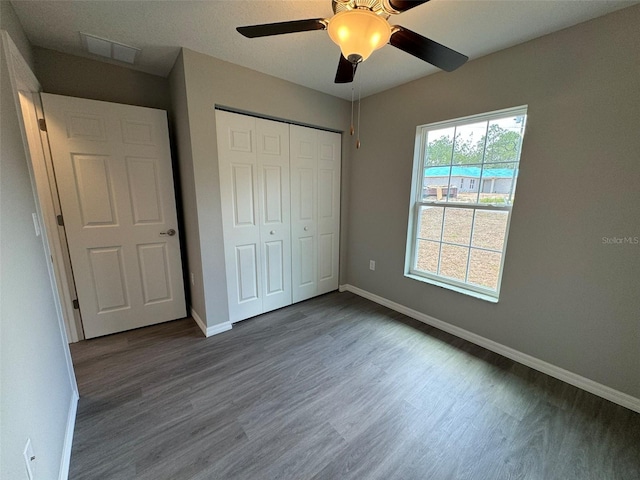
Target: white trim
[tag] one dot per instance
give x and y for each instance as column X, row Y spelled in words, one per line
column 68, row 438
column 218, row 328
column 213, row 329
column 22, row 79
column 61, row 258
column 452, row 286
column 496, row 114
column 199, row 322
column 571, row 378
column 26, row 92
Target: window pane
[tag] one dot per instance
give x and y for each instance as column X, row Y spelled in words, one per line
column 430, row 219
column 489, row 229
column 427, row 256
column 467, row 180
column 457, row 225
column 435, row 184
column 469, row 143
column 504, row 137
column 496, row 184
column 453, row 263
column 484, row 268
column 439, row 147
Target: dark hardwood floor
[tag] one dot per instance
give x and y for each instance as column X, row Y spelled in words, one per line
column 336, row 387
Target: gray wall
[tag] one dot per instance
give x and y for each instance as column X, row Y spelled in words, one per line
column 209, row 82
column 182, row 141
column 35, row 387
column 11, row 24
column 65, row 74
column 566, row 298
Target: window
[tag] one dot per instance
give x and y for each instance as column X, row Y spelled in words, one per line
column 458, row 237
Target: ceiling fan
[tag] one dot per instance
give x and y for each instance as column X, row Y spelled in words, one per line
column 359, row 27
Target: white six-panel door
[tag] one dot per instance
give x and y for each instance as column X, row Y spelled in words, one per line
column 238, row 166
column 329, row 165
column 253, row 156
column 275, row 215
column 113, row 170
column 315, row 211
column 304, row 212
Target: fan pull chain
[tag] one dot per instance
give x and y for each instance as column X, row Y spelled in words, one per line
column 358, row 134
column 351, row 130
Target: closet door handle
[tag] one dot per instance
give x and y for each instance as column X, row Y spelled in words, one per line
column 306, row 229
column 272, row 232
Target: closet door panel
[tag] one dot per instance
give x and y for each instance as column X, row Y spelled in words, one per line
column 329, row 164
column 304, row 208
column 241, row 212
column 275, row 218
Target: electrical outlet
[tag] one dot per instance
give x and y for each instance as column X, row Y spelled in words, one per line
column 193, row 280
column 29, row 459
column 372, row 264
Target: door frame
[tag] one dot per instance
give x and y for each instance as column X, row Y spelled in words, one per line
column 26, row 90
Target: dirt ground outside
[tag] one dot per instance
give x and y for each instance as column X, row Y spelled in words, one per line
column 473, row 251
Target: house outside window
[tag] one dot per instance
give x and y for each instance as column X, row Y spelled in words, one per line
column 458, row 237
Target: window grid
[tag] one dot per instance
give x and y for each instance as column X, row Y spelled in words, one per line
column 442, row 242
column 447, row 203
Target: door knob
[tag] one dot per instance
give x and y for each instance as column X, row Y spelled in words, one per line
column 171, row 232
column 272, row 232
column 306, row 229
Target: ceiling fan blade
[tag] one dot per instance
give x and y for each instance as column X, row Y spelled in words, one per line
column 280, row 28
column 426, row 49
column 404, row 5
column 346, row 71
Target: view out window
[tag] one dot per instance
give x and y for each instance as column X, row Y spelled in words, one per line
column 458, row 228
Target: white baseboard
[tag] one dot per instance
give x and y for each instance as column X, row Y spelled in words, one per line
column 574, row 379
column 68, row 437
column 213, row 329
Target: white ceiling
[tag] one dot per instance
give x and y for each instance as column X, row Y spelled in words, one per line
column 160, row 28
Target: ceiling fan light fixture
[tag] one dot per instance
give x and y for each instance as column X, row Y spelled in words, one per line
column 358, row 33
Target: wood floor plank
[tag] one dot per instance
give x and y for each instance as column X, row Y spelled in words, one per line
column 336, row 387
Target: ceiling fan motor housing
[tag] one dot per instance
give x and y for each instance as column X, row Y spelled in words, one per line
column 379, row 7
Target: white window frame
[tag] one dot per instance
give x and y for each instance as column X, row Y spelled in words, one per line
column 417, row 201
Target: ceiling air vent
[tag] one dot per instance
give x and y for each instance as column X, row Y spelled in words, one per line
column 109, row 48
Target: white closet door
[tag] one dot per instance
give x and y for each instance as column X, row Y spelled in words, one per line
column 315, row 211
column 329, row 160
column 273, row 190
column 240, row 196
column 304, row 212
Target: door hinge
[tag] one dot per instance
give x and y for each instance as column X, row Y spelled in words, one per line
column 42, row 124
column 60, row 220
column 76, row 304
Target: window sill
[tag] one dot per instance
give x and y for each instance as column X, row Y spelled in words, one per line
column 471, row 293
